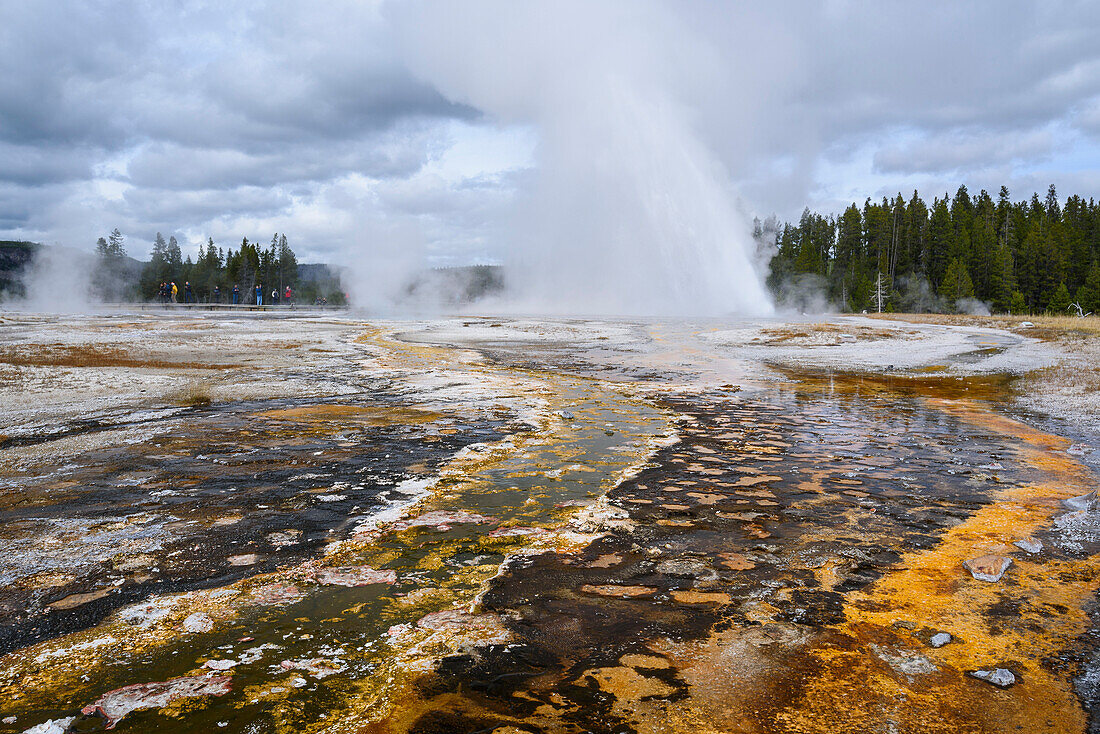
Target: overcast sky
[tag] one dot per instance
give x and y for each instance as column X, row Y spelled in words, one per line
column 345, row 124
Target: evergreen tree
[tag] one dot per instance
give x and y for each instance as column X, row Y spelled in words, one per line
column 174, row 257
column 109, row 279
column 1017, row 304
column 114, row 245
column 877, row 237
column 1076, row 225
column 1028, row 269
column 1060, row 300
column 1054, row 212
column 1002, row 282
column 982, row 261
column 940, row 242
column 956, row 283
column 962, row 222
column 155, row 271
column 900, row 257
column 288, row 265
column 849, row 242
column 1088, row 295
column 915, row 231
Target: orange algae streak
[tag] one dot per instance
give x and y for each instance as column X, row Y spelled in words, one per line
column 858, row 683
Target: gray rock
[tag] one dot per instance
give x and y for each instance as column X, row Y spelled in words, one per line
column 1084, row 502
column 1031, row 545
column 940, row 639
column 687, row 568
column 906, row 662
column 1000, row 677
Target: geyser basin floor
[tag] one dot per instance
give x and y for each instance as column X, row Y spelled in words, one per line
column 522, row 525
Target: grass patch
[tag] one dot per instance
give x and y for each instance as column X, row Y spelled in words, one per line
column 1051, row 328
column 195, row 395
column 92, row 356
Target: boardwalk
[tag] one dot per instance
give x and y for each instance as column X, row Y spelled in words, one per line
column 229, row 307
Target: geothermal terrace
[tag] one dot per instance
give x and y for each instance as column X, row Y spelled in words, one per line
column 316, row 523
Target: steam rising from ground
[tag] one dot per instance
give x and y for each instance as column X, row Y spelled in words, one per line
column 628, row 212
column 57, row 280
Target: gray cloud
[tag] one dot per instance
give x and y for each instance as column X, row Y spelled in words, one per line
column 329, row 122
column 963, row 151
column 176, row 167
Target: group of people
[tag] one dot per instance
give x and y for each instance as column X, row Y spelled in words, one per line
column 169, row 293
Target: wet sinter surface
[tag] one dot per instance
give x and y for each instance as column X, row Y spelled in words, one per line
column 615, row 552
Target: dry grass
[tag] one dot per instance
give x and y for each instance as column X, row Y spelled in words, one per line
column 1080, row 379
column 1076, row 374
column 56, row 355
column 1053, row 328
column 820, row 333
column 194, row 395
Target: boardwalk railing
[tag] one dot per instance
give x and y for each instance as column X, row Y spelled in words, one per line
column 228, row 307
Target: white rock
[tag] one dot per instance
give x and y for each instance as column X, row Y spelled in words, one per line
column 905, row 662
column 1031, row 545
column 220, row 664
column 1000, row 677
column 198, row 622
column 940, row 639
column 53, row 726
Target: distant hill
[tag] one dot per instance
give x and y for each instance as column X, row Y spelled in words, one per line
column 457, row 285
column 317, row 273
column 17, row 258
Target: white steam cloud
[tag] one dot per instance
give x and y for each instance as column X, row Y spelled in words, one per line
column 57, row 280
column 629, row 211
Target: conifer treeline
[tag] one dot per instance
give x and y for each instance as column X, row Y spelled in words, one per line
column 274, row 268
column 1025, row 257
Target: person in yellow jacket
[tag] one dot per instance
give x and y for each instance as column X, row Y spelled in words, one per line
column 175, row 290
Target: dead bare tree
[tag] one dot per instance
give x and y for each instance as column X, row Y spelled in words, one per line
column 1080, row 311
column 880, row 292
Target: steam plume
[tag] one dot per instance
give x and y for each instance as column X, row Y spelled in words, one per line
column 629, row 211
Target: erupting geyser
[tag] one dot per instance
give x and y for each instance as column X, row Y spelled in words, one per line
column 628, row 211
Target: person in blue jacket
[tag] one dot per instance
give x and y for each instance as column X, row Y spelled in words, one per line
column 259, row 295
